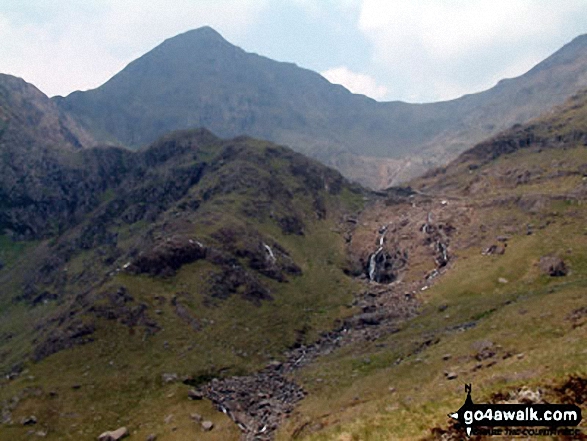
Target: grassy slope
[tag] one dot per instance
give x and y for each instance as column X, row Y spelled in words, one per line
column 120, row 372
column 350, row 396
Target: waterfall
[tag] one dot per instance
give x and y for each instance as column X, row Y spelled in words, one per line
column 269, row 253
column 373, row 257
column 373, row 264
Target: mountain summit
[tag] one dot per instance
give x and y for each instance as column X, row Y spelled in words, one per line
column 198, row 79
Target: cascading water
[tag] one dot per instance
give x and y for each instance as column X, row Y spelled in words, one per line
column 373, row 257
column 270, row 254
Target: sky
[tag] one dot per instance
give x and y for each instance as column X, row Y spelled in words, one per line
column 409, row 50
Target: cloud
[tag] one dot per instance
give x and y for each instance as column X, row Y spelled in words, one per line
column 82, row 44
column 425, row 44
column 355, row 82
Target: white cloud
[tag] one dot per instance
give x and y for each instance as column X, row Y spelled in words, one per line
column 80, row 45
column 355, row 82
column 427, row 44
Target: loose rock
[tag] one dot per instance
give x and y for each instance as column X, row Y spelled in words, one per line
column 207, row 425
column 114, row 435
column 195, row 395
column 169, row 378
column 451, row 375
column 553, row 266
column 29, row 421
column 196, row 417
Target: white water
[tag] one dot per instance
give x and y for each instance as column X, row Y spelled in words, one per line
column 270, row 252
column 373, row 257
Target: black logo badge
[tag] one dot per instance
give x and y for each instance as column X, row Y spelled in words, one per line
column 472, row 415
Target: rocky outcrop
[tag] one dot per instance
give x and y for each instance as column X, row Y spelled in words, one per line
column 553, row 266
column 77, row 332
column 166, row 258
column 120, row 306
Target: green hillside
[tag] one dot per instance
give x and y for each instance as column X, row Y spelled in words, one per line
column 195, row 256
column 495, row 318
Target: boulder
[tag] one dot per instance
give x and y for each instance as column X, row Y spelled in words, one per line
column 29, row 421
column 196, row 417
column 195, row 395
column 553, row 266
column 450, row 375
column 207, row 425
column 169, row 378
column 114, row 435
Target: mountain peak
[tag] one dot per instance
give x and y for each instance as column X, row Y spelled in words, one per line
column 204, row 33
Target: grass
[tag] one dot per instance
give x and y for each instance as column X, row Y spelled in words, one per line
column 350, row 397
column 120, row 372
column 11, row 251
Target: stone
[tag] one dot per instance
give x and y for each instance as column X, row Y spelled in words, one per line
column 151, row 437
column 553, row 266
column 502, row 280
column 168, row 418
column 207, row 425
column 528, row 396
column 29, row 421
column 481, row 345
column 195, row 395
column 275, row 364
column 169, row 378
column 196, row 417
column 446, row 357
column 451, row 375
column 115, row 435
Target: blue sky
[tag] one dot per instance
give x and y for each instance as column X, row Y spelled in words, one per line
column 410, row 50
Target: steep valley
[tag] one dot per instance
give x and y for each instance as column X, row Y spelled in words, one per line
column 224, row 289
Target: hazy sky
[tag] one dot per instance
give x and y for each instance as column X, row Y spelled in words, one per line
column 411, row 50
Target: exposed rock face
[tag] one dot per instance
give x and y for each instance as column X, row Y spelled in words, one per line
column 76, row 333
column 121, row 307
column 237, row 280
column 384, row 266
column 553, row 266
column 166, row 258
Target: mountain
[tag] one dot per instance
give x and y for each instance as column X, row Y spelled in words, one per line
column 28, row 117
column 198, row 79
column 225, row 289
column 505, row 312
column 124, row 273
column 43, row 164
